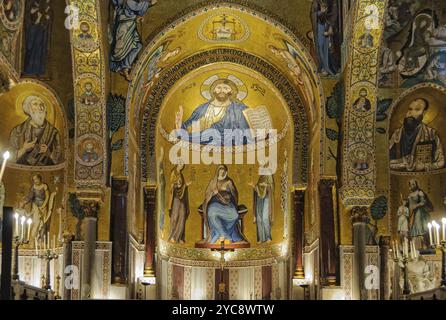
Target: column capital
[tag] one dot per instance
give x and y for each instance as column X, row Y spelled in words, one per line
column 359, row 214
column 120, row 185
column 90, row 208
column 327, row 183
column 150, row 191
column 384, row 241
column 67, row 236
column 299, row 196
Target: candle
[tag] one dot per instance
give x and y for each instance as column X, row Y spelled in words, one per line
column 437, row 229
column 397, row 250
column 54, row 242
column 60, row 226
column 414, row 250
column 393, row 249
column 16, row 217
column 48, row 247
column 443, row 222
column 44, row 242
column 434, row 233
column 22, row 228
column 5, row 159
column 429, row 225
column 29, row 222
column 37, row 251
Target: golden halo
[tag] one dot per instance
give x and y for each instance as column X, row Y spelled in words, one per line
column 239, row 84
column 46, row 99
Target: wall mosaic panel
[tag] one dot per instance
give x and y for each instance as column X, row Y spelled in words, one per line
column 361, row 95
column 90, row 97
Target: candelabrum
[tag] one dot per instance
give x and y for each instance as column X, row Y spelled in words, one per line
column 438, row 242
column 47, row 253
column 403, row 257
column 22, row 229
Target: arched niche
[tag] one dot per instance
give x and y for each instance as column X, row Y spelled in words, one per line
column 267, row 52
column 419, row 159
column 33, row 113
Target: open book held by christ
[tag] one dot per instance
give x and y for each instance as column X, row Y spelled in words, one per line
column 258, row 118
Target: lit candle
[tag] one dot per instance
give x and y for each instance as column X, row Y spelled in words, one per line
column 443, row 222
column 29, row 222
column 429, row 225
column 22, row 227
column 437, row 229
column 44, row 242
column 414, row 250
column 16, row 217
column 5, row 159
column 394, row 249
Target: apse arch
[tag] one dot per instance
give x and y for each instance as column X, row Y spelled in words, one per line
column 279, row 56
column 154, row 101
column 172, row 31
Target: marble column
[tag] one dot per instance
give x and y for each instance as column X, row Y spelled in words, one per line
column 328, row 240
column 90, row 237
column 150, row 210
column 6, row 279
column 384, row 277
column 358, row 217
column 299, row 213
column 67, row 261
column 118, row 230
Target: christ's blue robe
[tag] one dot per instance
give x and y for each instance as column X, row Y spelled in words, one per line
column 126, row 39
column 234, row 119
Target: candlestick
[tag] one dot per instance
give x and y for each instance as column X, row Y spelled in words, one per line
column 429, row 226
column 5, row 159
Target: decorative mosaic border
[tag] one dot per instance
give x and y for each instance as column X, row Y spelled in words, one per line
column 261, row 256
column 12, row 62
column 358, row 188
column 94, row 124
column 106, row 248
column 347, row 269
